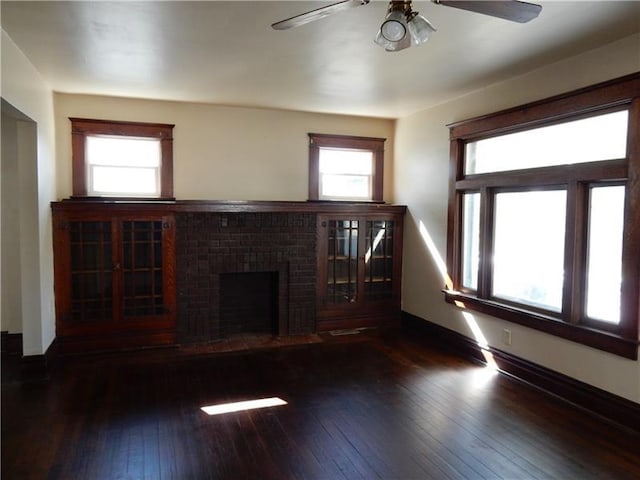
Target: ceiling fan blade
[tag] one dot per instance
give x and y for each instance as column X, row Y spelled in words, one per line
column 317, row 14
column 513, row 10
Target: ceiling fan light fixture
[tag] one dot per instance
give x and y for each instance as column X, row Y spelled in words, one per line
column 394, row 27
column 391, row 46
column 420, row 28
column 402, row 28
column 397, row 46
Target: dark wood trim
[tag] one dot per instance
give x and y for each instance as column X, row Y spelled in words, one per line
column 572, row 323
column 11, row 343
column 485, row 274
column 454, row 208
column 602, row 340
column 115, row 127
column 226, row 206
column 597, row 97
column 82, row 127
column 116, row 342
column 314, row 170
column 36, row 368
column 610, row 170
column 78, row 163
column 166, row 169
column 375, row 145
column 630, row 289
column 573, row 288
column 600, row 402
column 345, row 141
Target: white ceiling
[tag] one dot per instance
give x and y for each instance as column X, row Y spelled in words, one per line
column 227, row 53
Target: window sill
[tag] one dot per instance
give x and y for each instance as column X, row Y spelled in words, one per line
column 106, row 199
column 328, row 200
column 608, row 342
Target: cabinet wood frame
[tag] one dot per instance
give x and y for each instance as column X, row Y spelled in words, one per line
column 362, row 312
column 122, row 330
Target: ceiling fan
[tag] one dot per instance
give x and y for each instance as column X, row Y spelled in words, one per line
column 403, row 27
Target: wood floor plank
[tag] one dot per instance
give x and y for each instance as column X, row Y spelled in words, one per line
column 376, row 406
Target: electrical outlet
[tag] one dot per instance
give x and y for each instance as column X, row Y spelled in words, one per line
column 506, row 336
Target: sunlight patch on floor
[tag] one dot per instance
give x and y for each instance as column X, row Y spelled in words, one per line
column 243, row 406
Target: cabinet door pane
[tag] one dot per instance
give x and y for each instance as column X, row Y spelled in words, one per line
column 342, row 268
column 378, row 259
column 142, row 268
column 91, row 272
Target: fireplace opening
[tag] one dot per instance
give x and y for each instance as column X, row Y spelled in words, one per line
column 249, row 303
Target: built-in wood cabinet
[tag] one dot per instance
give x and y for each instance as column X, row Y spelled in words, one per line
column 359, row 269
column 114, row 276
column 132, row 274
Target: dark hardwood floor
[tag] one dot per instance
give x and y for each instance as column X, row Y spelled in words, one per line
column 373, row 405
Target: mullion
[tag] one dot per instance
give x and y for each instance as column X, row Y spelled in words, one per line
column 101, row 267
column 156, row 298
column 575, row 252
column 385, row 241
column 132, row 270
column 370, row 239
column 349, row 263
column 152, row 262
column 333, row 235
column 487, row 219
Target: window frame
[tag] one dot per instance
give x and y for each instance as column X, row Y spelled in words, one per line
column 572, row 323
column 371, row 144
column 81, row 128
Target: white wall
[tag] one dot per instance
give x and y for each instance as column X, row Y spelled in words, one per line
column 25, row 90
column 224, row 153
column 11, row 311
column 422, row 152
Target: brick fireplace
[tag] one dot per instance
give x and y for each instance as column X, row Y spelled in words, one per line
column 213, row 250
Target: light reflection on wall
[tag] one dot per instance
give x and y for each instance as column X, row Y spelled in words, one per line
column 468, row 317
column 435, row 255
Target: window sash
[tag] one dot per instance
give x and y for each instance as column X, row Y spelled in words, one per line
column 470, row 240
column 528, row 254
column 604, row 253
column 128, row 181
column 572, row 322
column 591, row 139
column 345, row 187
column 160, row 136
column 328, row 144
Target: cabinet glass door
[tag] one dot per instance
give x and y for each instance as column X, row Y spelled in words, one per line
column 142, row 268
column 378, row 259
column 91, row 271
column 342, row 268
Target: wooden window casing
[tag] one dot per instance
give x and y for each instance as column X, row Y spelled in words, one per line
column 82, row 127
column 374, row 145
column 571, row 323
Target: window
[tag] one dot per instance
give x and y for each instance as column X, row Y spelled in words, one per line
column 544, row 215
column 122, row 159
column 345, row 167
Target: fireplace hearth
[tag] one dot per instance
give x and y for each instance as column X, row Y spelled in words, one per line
column 218, row 254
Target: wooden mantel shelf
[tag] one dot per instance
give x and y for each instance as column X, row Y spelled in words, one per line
column 233, row 206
